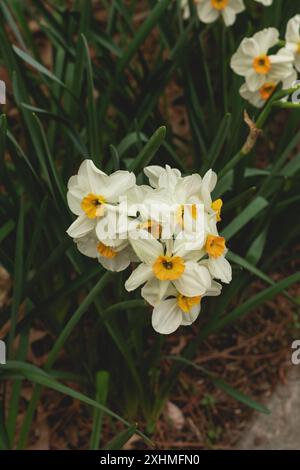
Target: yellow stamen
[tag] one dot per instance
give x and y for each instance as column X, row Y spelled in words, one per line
column 267, row 90
column 106, row 251
column 217, row 207
column 219, row 4
column 187, row 303
column 298, row 48
column 93, row 205
column 215, row 246
column 262, row 64
column 168, row 268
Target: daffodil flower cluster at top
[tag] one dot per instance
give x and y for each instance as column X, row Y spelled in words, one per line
column 210, row 10
column 264, row 70
column 177, row 266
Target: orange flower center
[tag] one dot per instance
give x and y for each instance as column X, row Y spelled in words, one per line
column 106, row 251
column 168, row 268
column 262, row 64
column 215, row 246
column 93, row 205
column 217, row 207
column 267, row 90
column 219, row 4
column 187, row 303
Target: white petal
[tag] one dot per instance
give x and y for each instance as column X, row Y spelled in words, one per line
column 87, row 245
column 166, row 317
column 266, row 39
column 74, row 203
column 253, row 97
column 135, row 197
column 292, row 30
column 254, row 80
column 188, row 249
column 214, row 290
column 139, row 276
column 168, row 178
column 148, row 250
column 250, row 47
column 229, row 16
column 207, row 13
column 96, row 179
column 281, row 71
column 241, row 64
column 237, row 5
column 208, row 184
column 290, row 80
column 154, row 291
column 120, row 262
column 107, row 225
column 80, row 227
column 189, row 317
column 75, row 195
column 194, row 281
column 187, row 188
column 266, row 3
column 220, row 268
column 153, row 173
column 118, row 183
column 283, row 56
column 297, row 62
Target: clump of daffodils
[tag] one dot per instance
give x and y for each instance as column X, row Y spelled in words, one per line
column 263, row 69
column 209, row 11
column 168, row 229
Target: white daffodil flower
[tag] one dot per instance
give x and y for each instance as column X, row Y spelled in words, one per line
column 175, row 309
column 210, row 10
column 266, row 3
column 162, row 177
column 115, row 259
column 253, row 62
column 93, row 197
column 259, row 97
column 292, row 38
column 168, row 263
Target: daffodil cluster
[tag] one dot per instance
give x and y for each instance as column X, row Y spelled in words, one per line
column 209, row 11
column 264, row 70
column 169, row 228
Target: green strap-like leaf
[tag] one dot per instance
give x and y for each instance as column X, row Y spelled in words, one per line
column 148, row 152
column 102, row 382
column 120, row 440
column 36, row 375
column 239, row 396
column 36, row 65
column 257, row 300
column 251, row 211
